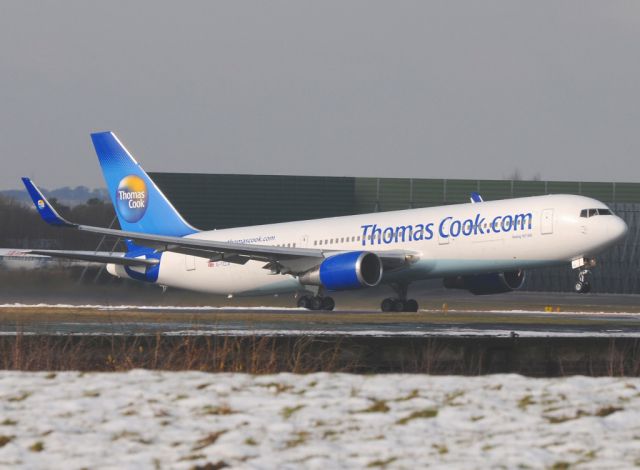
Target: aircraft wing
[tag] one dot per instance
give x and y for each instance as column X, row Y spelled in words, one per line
column 279, row 259
column 91, row 256
column 115, row 258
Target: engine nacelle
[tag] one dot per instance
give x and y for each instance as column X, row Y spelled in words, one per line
column 346, row 271
column 483, row 284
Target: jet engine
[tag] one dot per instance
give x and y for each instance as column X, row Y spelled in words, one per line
column 345, row 271
column 483, row 284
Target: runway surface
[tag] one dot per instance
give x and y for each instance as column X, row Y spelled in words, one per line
column 595, row 320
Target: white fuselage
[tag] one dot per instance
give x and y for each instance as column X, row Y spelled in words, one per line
column 447, row 241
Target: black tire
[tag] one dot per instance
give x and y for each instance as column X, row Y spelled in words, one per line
column 303, row 302
column 398, row 305
column 411, row 305
column 586, row 288
column 315, row 303
column 328, row 304
column 578, row 286
column 386, row 305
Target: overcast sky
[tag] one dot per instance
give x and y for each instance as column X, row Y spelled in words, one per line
column 455, row 89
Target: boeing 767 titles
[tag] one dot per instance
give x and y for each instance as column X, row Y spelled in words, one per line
column 482, row 246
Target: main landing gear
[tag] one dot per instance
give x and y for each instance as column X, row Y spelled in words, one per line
column 400, row 303
column 582, row 285
column 316, row 302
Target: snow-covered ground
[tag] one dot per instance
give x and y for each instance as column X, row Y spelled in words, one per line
column 145, row 419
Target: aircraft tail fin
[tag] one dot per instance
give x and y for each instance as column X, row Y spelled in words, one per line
column 138, row 202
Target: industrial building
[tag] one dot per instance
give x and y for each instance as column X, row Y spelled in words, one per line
column 215, row 201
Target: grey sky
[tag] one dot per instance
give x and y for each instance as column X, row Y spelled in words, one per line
column 457, row 89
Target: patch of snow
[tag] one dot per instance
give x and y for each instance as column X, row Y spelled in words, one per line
column 147, row 419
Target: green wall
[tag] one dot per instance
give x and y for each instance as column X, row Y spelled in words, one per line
column 219, row 201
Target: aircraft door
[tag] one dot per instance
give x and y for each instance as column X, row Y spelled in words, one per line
column 546, row 223
column 304, row 242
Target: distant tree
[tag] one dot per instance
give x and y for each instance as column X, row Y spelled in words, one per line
column 515, row 175
column 22, row 227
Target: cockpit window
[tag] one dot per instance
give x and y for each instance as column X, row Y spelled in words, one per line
column 586, row 213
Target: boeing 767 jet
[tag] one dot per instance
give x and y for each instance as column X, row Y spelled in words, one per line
column 482, row 246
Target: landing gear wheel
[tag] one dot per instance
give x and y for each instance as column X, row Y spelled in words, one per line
column 315, row 303
column 386, row 305
column 304, row 301
column 398, row 305
column 586, row 287
column 411, row 306
column 582, row 287
column 328, row 303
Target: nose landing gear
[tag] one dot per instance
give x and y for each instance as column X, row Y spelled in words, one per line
column 583, row 285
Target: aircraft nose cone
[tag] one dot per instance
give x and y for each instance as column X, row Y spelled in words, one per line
column 618, row 229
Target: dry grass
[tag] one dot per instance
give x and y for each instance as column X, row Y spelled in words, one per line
column 306, row 354
column 256, row 355
column 421, row 414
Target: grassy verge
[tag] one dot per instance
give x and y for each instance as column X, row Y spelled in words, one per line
column 543, row 357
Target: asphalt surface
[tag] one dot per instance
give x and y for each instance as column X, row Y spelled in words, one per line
column 528, row 315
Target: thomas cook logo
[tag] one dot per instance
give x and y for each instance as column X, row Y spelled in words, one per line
column 40, row 203
column 132, row 198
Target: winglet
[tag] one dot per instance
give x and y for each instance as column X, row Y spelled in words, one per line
column 475, row 197
column 46, row 211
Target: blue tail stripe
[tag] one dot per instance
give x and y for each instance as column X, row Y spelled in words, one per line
column 139, row 204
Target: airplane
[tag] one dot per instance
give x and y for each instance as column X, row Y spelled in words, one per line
column 484, row 247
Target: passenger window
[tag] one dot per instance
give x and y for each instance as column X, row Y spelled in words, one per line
column 342, row 240
column 294, row 245
column 315, row 242
column 358, row 237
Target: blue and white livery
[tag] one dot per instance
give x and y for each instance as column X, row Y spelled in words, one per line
column 484, row 247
